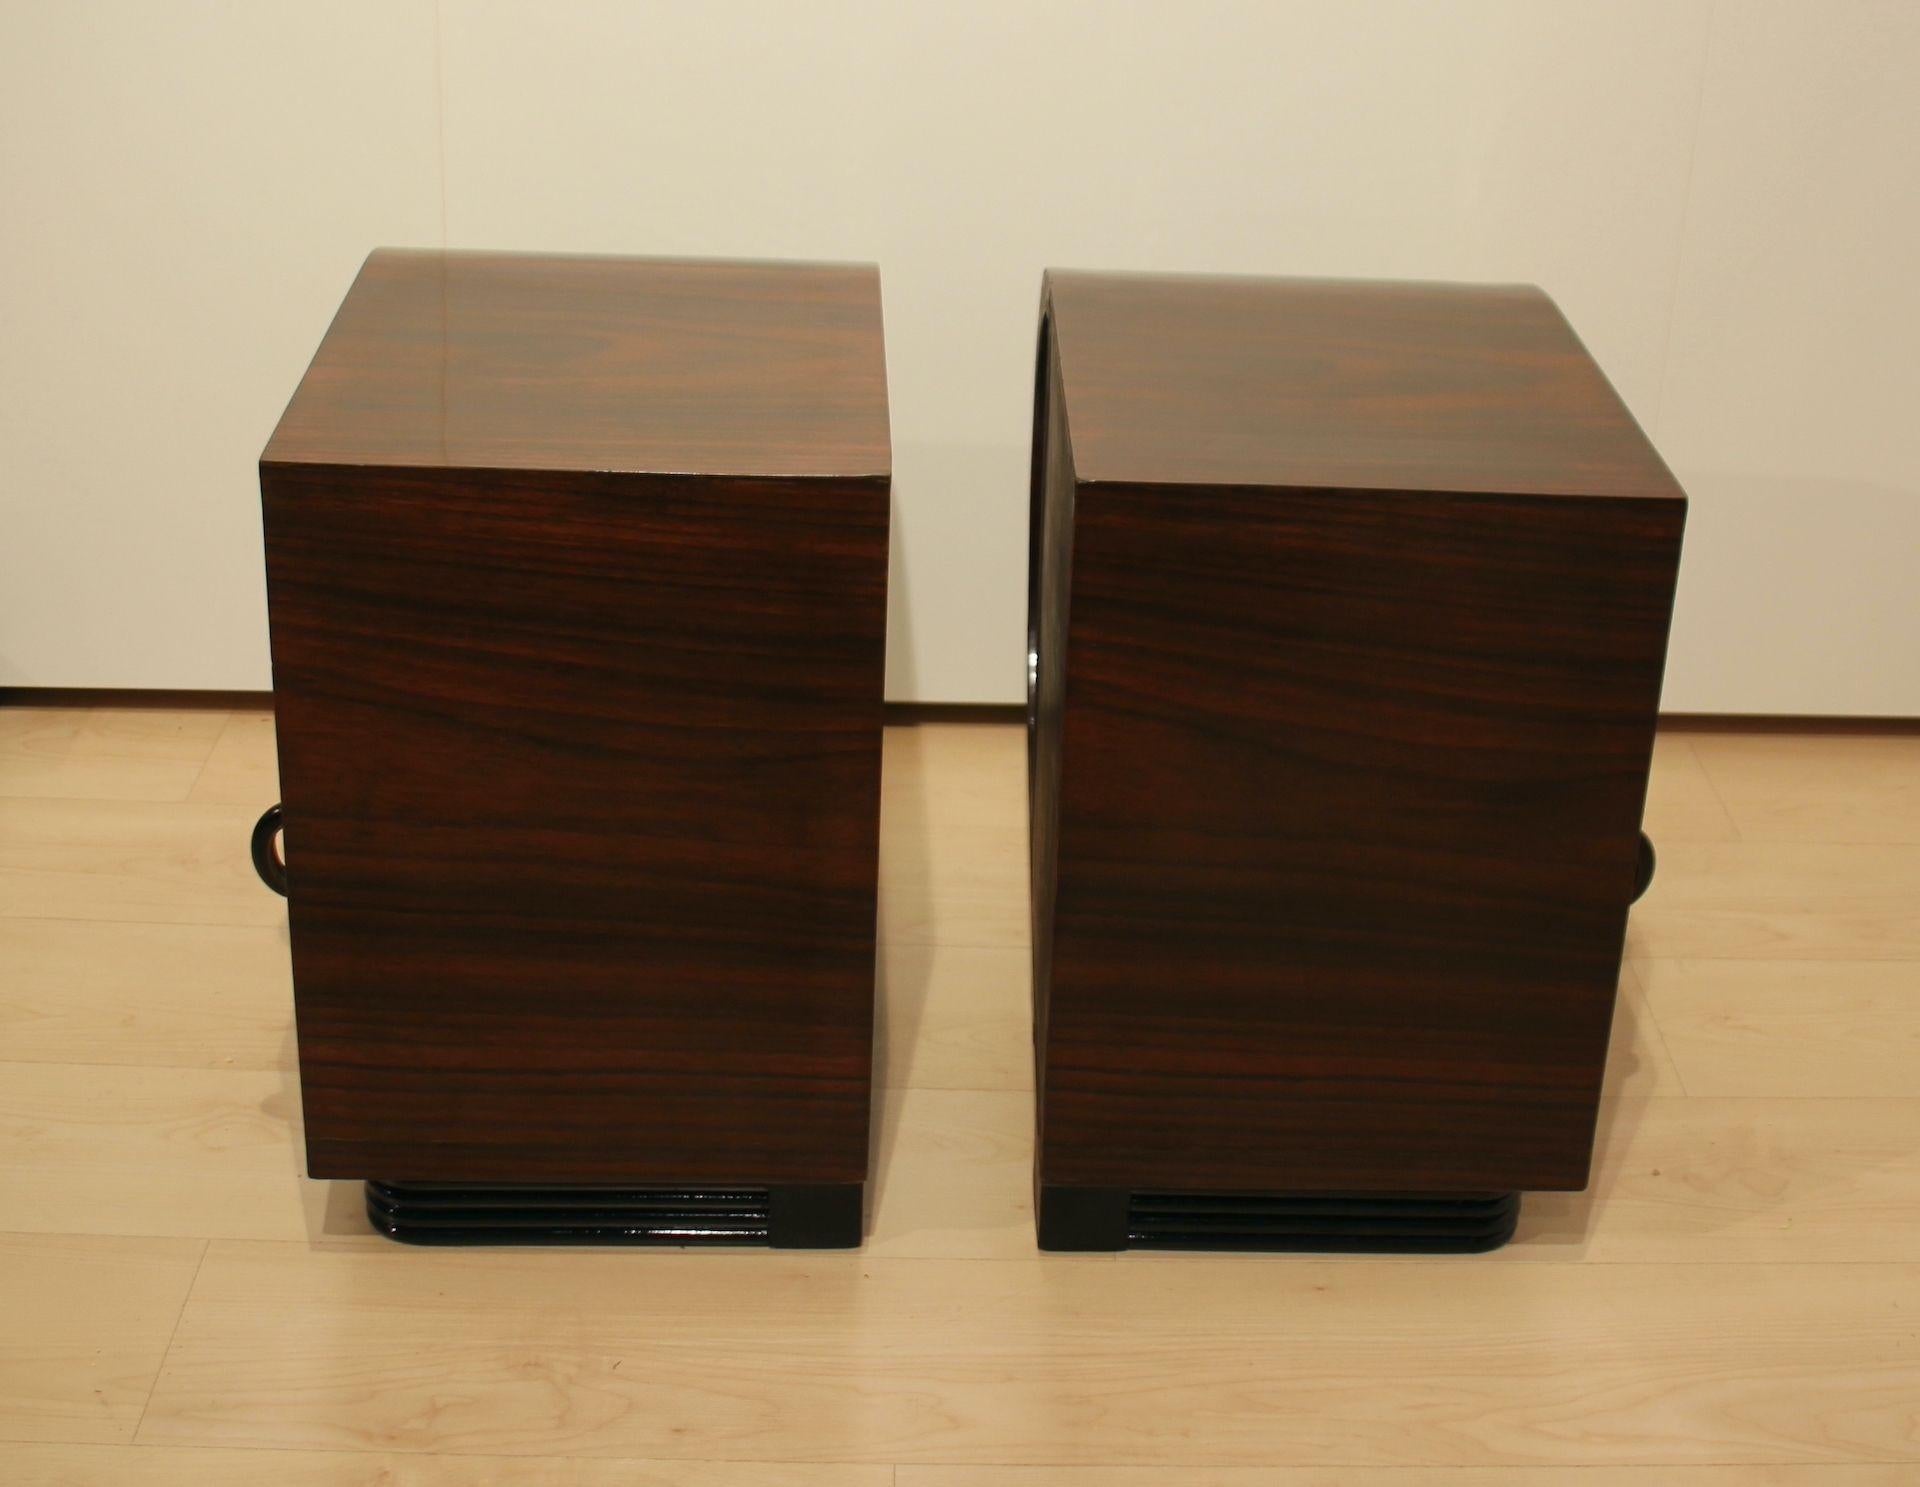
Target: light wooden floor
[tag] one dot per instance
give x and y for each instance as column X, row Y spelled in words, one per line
column 1737, row 1300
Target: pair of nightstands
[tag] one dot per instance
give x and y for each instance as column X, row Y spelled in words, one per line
column 1348, row 611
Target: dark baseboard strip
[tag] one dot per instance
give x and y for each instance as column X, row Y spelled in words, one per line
column 1785, row 723
column 899, row 714
column 128, row 697
column 904, row 713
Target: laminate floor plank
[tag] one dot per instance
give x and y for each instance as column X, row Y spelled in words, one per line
column 955, row 1016
column 187, row 1466
column 1725, row 1181
column 1780, row 901
column 84, row 1324
column 1682, row 805
column 954, row 1177
column 105, row 992
column 105, row 753
column 206, row 1153
column 243, row 767
column 1828, row 788
column 1408, row 1476
column 1044, row 1360
column 134, row 861
column 1804, row 1027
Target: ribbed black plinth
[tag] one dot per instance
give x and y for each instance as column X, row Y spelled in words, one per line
column 826, row 1217
column 1113, row 1219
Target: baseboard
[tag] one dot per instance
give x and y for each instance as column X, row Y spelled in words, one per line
column 897, row 714
column 129, row 697
column 901, row 714
column 1784, row 723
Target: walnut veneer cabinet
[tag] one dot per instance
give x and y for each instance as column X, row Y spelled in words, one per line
column 1349, row 607
column 577, row 578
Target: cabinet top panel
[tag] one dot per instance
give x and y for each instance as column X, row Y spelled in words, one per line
column 635, row 365
column 1338, row 384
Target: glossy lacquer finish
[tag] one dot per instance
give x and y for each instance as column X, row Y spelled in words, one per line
column 640, row 367
column 1350, row 610
column 577, row 579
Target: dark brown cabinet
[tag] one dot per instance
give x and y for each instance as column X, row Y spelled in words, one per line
column 577, row 578
column 1349, row 607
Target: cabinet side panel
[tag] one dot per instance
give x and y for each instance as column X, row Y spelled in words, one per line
column 1049, row 564
column 1349, row 831
column 581, row 779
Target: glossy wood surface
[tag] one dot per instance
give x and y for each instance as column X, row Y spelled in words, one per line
column 581, row 769
column 1345, row 384
column 642, row 366
column 1727, row 1306
column 1349, row 780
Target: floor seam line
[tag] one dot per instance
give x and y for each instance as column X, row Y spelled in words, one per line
column 166, row 1352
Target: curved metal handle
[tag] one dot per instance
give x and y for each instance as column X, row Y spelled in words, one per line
column 271, row 866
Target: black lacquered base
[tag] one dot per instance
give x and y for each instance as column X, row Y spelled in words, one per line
column 1383, row 1223
column 808, row 1217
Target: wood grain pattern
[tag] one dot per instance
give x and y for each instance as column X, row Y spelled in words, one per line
column 1302, row 384
column 87, row 1321
column 1352, row 610
column 129, row 861
column 242, row 766
column 581, row 753
column 185, row 1466
column 1861, row 788
column 1681, row 803
column 104, row 753
column 1631, row 1321
column 1782, row 901
column 1753, row 1180
column 956, row 1016
column 1638, row 1062
column 956, row 885
column 1807, row 1028
column 637, row 366
column 192, row 1153
column 187, row 995
column 1406, row 1476
column 954, row 1175
column 1041, row 1360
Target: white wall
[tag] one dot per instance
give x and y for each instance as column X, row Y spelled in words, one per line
column 1723, row 198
